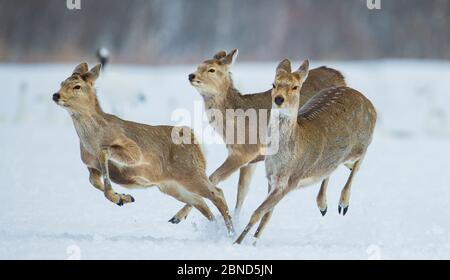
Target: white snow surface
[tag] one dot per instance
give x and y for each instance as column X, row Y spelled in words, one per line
column 398, row 207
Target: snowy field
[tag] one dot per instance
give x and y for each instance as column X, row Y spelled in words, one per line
column 399, row 208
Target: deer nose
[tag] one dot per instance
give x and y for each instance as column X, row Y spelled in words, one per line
column 191, row 77
column 279, row 100
column 56, row 97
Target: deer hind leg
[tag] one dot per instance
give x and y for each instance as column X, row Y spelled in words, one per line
column 203, row 187
column 322, row 197
column 199, row 204
column 181, row 215
column 266, row 207
column 196, row 202
column 218, row 199
column 110, row 194
column 345, row 193
column 178, row 192
column 245, row 177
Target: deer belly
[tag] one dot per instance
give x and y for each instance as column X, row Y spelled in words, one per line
column 308, row 181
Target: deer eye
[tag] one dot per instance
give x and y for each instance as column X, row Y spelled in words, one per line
column 273, row 85
column 212, row 70
column 77, row 87
column 295, row 88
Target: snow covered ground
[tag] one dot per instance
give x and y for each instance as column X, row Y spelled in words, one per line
column 398, row 208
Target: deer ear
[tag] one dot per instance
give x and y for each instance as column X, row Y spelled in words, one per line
column 220, row 55
column 81, row 68
column 303, row 71
column 284, row 65
column 93, row 74
column 230, row 58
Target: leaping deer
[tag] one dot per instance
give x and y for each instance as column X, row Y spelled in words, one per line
column 334, row 127
column 133, row 154
column 213, row 81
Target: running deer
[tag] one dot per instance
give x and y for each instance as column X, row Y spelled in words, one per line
column 135, row 155
column 213, row 81
column 334, row 127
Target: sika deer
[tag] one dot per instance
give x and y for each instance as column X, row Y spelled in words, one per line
column 334, row 127
column 213, row 81
column 133, row 154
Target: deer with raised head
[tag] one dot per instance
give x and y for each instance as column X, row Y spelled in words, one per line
column 334, row 127
column 213, row 81
column 135, row 155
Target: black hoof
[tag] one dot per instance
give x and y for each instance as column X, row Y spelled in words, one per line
column 238, row 241
column 345, row 210
column 174, row 220
column 324, row 211
column 120, row 203
column 132, row 199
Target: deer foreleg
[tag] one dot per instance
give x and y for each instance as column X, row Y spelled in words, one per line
column 110, row 194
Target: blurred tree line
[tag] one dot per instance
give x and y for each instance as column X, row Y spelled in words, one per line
column 185, row 31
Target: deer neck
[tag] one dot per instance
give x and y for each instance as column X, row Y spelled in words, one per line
column 226, row 98
column 89, row 125
column 283, row 148
column 286, row 129
column 221, row 101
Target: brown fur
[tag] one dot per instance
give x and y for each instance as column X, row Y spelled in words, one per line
column 133, row 154
column 218, row 92
column 334, row 127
